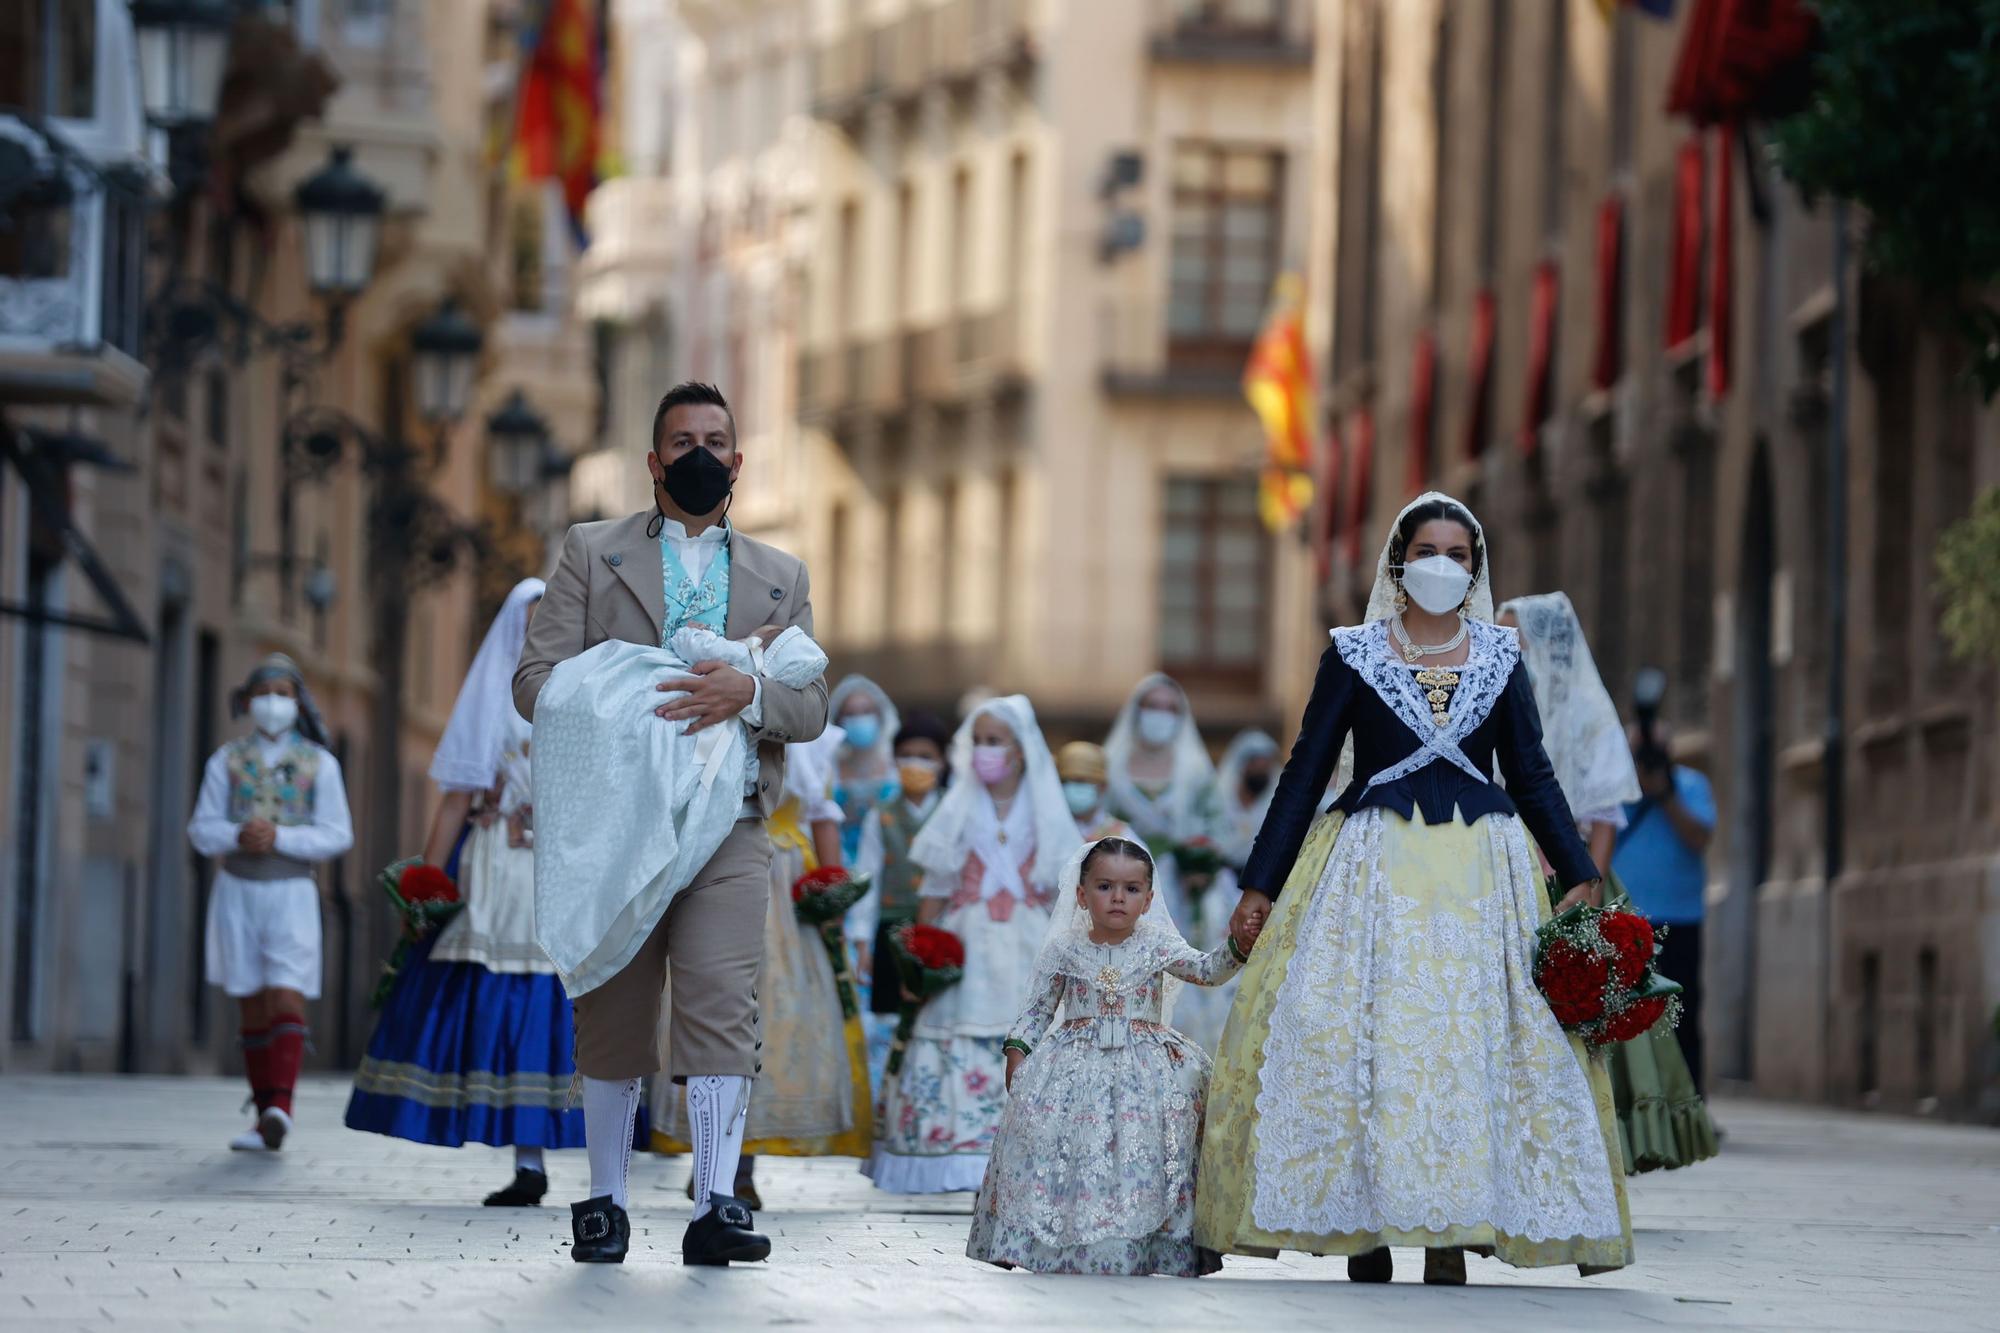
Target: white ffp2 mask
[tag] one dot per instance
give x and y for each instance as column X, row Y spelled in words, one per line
column 1437, row 583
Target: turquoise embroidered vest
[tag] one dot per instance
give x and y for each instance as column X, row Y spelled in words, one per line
column 281, row 791
column 705, row 604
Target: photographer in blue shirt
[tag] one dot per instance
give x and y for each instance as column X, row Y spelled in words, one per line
column 1659, row 859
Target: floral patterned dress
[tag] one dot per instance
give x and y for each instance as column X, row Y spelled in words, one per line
column 1093, row 1168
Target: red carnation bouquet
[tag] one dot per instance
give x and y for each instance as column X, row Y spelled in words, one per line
column 1595, row 967
column 929, row 961
column 425, row 898
column 820, row 899
column 824, row 895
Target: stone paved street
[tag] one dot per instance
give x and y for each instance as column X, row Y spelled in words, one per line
column 120, row 1207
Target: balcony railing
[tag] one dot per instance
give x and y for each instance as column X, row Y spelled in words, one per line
column 71, row 274
column 1272, row 32
column 1140, row 356
column 986, row 350
column 883, row 384
column 944, row 45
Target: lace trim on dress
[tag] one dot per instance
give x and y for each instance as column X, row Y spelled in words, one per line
column 1481, row 681
column 1413, row 1078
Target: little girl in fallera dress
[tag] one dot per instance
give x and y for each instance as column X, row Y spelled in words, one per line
column 1093, row 1167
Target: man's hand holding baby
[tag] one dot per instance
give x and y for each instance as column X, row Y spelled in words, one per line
column 713, row 693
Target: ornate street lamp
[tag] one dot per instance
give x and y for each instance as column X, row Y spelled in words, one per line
column 183, row 50
column 342, row 210
column 517, row 446
column 446, row 351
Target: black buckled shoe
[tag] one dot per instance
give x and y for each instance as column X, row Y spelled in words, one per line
column 601, row 1231
column 526, row 1192
column 722, row 1236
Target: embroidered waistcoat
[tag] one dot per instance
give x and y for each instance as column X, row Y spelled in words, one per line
column 689, row 603
column 901, row 878
column 281, row 791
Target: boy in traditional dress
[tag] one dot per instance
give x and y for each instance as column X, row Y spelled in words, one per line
column 271, row 807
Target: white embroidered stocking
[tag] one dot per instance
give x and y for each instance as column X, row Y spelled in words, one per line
column 718, row 1105
column 609, row 1108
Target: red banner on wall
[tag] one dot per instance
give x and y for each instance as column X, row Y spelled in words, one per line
column 1479, row 372
column 1609, row 361
column 1721, row 276
column 1423, row 411
column 1544, row 299
column 1684, row 256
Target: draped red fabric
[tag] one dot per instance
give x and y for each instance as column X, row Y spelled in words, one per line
column 1738, row 57
column 1721, row 275
column 1543, row 300
column 1684, row 255
column 1479, row 372
column 1363, row 482
column 1609, row 361
column 1423, row 411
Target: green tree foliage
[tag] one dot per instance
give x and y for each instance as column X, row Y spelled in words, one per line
column 1968, row 562
column 1904, row 121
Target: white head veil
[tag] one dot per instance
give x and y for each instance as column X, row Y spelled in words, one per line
column 1580, row 724
column 1193, row 772
column 940, row 848
column 1067, row 950
column 484, row 718
column 884, row 750
column 1239, row 823
column 1382, row 597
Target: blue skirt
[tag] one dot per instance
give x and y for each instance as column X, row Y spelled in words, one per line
column 463, row 1055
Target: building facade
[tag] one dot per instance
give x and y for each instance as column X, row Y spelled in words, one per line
column 1613, row 335
column 169, row 473
column 982, row 276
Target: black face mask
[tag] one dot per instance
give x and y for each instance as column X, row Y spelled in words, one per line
column 697, row 482
column 1254, row 782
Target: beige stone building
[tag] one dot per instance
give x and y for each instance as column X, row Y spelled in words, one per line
column 224, row 543
column 983, row 275
column 1469, row 153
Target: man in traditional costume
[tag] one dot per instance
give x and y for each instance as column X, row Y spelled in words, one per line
column 641, row 579
column 271, row 807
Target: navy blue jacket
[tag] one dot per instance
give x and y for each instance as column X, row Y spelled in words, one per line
column 1342, row 702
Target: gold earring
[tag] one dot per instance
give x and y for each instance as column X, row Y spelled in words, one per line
column 1402, row 600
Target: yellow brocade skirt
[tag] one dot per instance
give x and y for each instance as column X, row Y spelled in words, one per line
column 1412, row 1088
column 811, row 1098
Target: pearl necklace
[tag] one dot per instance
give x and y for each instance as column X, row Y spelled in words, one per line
column 1412, row 651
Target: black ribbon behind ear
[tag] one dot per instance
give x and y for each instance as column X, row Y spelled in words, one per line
column 656, row 522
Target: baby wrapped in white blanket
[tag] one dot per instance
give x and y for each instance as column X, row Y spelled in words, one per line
column 628, row 806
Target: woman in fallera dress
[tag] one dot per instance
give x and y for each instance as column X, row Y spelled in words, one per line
column 1244, row 785
column 1390, row 1075
column 1162, row 784
column 1662, row 1121
column 474, row 1044
column 991, row 855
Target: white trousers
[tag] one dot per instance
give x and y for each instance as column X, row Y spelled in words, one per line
column 264, row 934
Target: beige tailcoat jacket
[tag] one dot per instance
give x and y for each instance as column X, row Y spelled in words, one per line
column 609, row 585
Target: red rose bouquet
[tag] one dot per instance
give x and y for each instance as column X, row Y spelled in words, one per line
column 823, row 896
column 928, row 962
column 1595, row 968
column 424, row 898
column 820, row 899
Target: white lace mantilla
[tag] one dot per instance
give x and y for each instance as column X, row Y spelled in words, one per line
column 1481, row 680
column 1414, row 1078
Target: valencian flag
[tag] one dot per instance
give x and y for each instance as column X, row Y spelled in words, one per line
column 558, row 112
column 1278, row 382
